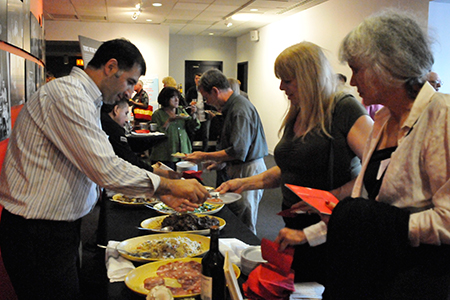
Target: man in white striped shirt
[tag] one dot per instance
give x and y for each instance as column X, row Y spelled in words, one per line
column 57, row 157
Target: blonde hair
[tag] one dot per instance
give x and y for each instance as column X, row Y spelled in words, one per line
column 169, row 81
column 306, row 63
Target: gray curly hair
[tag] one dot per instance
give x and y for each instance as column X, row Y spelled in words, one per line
column 393, row 45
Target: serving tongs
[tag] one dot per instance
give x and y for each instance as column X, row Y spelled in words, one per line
column 122, row 251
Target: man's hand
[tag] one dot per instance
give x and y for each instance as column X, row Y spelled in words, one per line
column 189, row 189
column 178, row 204
column 195, row 157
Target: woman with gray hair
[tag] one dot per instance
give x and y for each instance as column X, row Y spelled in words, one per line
column 391, row 240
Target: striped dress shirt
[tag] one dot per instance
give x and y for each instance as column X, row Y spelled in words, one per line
column 58, row 155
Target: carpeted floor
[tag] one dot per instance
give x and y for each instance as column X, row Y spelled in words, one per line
column 91, row 272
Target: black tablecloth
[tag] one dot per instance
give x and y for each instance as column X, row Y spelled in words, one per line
column 118, row 222
column 140, row 143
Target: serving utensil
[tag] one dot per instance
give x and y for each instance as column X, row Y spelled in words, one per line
column 164, row 229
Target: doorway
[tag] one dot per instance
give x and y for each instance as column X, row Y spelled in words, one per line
column 191, row 67
column 242, row 75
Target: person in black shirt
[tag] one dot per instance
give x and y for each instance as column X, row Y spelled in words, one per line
column 113, row 118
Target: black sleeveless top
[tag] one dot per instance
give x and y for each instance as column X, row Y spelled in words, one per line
column 371, row 183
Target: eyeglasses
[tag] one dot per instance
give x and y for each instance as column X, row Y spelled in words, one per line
column 437, row 82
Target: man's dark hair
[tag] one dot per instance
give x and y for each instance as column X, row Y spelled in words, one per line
column 107, row 108
column 165, row 95
column 126, row 54
column 198, row 74
column 213, row 78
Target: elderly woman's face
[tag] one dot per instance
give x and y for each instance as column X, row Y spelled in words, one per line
column 174, row 101
column 369, row 86
column 289, row 86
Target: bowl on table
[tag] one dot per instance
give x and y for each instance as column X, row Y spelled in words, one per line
column 251, row 258
column 186, row 166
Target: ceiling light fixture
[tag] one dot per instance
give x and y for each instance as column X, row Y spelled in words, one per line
column 138, row 12
column 242, row 17
column 157, row 4
column 228, row 24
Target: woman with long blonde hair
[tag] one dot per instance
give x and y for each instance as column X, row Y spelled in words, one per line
column 323, row 135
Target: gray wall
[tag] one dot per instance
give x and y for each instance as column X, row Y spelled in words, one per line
column 185, row 47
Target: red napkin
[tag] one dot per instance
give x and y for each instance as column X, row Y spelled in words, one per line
column 272, row 280
column 193, row 174
column 142, row 131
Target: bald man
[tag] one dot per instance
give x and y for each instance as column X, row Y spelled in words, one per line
column 434, row 80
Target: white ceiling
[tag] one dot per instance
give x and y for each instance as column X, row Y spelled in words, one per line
column 184, row 17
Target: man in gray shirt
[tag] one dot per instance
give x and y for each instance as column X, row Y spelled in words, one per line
column 242, row 144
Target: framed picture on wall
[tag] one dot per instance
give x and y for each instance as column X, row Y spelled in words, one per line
column 26, row 24
column 5, row 104
column 3, row 10
column 30, row 79
column 17, row 84
column 35, row 35
column 15, row 22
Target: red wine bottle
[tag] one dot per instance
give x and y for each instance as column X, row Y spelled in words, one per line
column 213, row 275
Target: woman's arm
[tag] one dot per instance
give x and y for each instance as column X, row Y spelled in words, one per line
column 266, row 180
column 356, row 139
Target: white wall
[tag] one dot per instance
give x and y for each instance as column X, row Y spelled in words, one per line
column 326, row 25
column 151, row 40
column 185, row 47
column 439, row 28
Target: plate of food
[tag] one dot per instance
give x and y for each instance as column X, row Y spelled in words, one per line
column 205, row 208
column 179, row 155
column 163, row 246
column 122, row 199
column 187, row 223
column 225, row 198
column 183, row 116
column 172, row 274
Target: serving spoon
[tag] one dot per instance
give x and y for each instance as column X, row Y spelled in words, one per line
column 164, row 229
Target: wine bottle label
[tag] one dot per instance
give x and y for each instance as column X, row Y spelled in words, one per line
column 206, row 287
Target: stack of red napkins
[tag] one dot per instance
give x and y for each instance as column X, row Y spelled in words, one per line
column 193, row 174
column 272, row 280
column 142, row 131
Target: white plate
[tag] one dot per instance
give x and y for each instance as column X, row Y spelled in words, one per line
column 225, row 198
column 179, row 155
column 154, row 224
column 206, row 209
column 147, row 134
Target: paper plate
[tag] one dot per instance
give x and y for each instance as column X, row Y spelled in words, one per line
column 225, row 198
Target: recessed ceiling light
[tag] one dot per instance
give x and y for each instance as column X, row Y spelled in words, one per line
column 242, row 17
column 157, row 4
column 149, row 20
column 254, row 9
column 211, row 33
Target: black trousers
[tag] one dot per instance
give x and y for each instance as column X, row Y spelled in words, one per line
column 41, row 257
column 369, row 256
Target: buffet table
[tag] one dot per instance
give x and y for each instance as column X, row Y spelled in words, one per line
column 143, row 142
column 118, row 222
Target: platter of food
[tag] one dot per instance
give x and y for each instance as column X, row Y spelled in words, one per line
column 187, row 223
column 181, row 276
column 183, row 116
column 179, row 155
column 225, row 198
column 205, row 208
column 163, row 246
column 122, row 199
